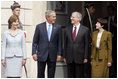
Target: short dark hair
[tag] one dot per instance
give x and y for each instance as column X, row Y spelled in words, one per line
column 15, row 5
column 112, row 7
column 12, row 19
column 88, row 5
column 102, row 21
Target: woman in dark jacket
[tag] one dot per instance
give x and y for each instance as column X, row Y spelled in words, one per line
column 101, row 54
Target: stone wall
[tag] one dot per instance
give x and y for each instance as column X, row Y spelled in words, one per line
column 32, row 13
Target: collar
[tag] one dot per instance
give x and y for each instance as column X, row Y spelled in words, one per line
column 77, row 25
column 47, row 23
column 16, row 34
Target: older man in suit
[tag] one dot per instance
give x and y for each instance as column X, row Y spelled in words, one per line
column 46, row 46
column 76, row 46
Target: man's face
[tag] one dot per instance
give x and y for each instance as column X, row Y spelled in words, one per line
column 16, row 11
column 52, row 18
column 74, row 18
column 91, row 10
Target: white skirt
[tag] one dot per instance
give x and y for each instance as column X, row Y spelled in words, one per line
column 13, row 66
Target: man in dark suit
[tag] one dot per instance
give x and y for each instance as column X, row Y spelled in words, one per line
column 90, row 23
column 86, row 20
column 46, row 47
column 76, row 41
column 112, row 27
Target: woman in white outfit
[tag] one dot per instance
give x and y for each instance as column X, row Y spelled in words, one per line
column 13, row 49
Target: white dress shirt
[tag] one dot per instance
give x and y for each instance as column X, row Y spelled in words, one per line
column 77, row 28
column 98, row 39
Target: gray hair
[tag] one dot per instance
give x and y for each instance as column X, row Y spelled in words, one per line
column 48, row 12
column 78, row 15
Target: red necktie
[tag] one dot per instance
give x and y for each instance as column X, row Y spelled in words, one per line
column 74, row 33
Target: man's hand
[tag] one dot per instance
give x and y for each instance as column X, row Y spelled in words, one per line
column 58, row 58
column 35, row 57
column 64, row 60
column 23, row 62
column 3, row 63
column 85, row 61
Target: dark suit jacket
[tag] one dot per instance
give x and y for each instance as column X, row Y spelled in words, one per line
column 113, row 29
column 44, row 48
column 76, row 50
column 115, row 20
column 86, row 22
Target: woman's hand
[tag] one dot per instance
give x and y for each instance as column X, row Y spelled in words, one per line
column 23, row 62
column 109, row 64
column 3, row 63
column 85, row 61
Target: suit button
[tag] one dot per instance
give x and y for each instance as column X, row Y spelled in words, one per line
column 49, row 45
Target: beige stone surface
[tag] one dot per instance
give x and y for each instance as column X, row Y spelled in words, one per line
column 5, row 14
column 28, row 17
column 6, row 4
column 3, row 28
column 38, row 9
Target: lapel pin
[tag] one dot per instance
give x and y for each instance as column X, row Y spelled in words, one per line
column 54, row 27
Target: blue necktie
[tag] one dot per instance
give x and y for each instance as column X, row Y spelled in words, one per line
column 49, row 31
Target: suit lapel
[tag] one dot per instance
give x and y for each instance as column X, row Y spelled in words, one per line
column 102, row 37
column 79, row 33
column 95, row 36
column 71, row 32
column 53, row 29
column 45, row 31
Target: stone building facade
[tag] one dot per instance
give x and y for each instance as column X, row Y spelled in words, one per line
column 31, row 14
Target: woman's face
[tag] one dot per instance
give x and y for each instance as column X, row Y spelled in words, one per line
column 98, row 25
column 15, row 24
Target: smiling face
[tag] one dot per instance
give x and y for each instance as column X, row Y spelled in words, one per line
column 74, row 19
column 98, row 25
column 13, row 21
column 15, row 24
column 52, row 18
